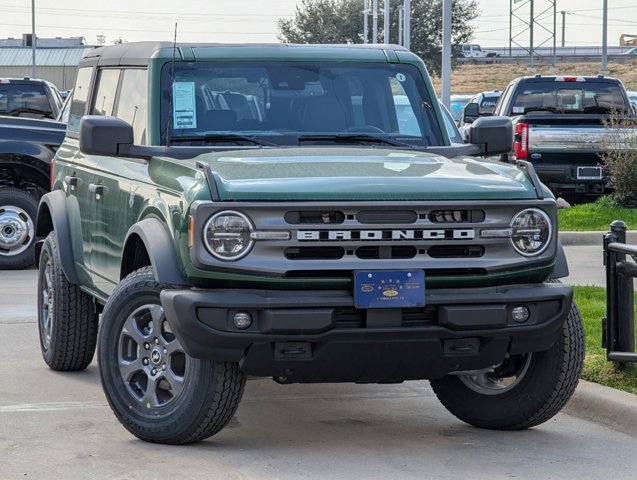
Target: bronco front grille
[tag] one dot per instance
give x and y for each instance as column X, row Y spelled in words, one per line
column 333, row 239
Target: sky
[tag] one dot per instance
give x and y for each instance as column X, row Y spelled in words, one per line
column 255, row 20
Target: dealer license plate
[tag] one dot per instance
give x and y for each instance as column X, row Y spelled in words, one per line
column 589, row 173
column 389, row 289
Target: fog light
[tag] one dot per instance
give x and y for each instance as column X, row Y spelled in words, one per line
column 520, row 314
column 242, row 320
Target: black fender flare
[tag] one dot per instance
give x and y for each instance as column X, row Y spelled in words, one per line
column 161, row 250
column 560, row 269
column 58, row 220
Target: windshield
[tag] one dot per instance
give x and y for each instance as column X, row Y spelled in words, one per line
column 569, row 97
column 287, row 103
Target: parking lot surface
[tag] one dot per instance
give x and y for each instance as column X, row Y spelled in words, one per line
column 59, row 426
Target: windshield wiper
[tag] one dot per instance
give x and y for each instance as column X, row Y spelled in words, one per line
column 222, row 137
column 355, row 137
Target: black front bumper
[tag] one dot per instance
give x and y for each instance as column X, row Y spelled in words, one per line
column 318, row 336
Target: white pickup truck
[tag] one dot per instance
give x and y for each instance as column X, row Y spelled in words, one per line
column 474, row 50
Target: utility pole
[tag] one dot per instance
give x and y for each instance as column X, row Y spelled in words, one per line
column 375, row 22
column 407, row 24
column 554, row 28
column 510, row 25
column 446, row 52
column 401, row 11
column 605, row 39
column 531, row 37
column 33, row 41
column 365, row 20
column 386, row 22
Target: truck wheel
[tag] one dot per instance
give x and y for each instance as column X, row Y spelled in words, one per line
column 158, row 392
column 17, row 231
column 66, row 316
column 522, row 392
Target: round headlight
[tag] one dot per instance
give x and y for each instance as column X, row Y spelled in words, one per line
column 531, row 232
column 227, row 235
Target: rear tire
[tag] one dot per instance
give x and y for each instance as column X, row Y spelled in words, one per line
column 18, row 210
column 158, row 392
column 525, row 390
column 66, row 316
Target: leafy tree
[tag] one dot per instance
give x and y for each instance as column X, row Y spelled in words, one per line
column 324, row 21
column 341, row 21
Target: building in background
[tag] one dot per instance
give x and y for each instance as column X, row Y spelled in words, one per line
column 56, row 58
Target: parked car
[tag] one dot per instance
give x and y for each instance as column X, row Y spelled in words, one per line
column 480, row 105
column 456, row 105
column 29, row 97
column 632, row 96
column 342, row 238
column 559, row 126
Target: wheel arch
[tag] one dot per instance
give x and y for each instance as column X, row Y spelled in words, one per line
column 149, row 243
column 53, row 216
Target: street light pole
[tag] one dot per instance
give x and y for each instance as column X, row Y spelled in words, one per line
column 386, row 22
column 407, row 24
column 33, row 75
column 605, row 39
column 365, row 20
column 375, row 22
column 446, row 52
column 563, row 27
column 400, row 25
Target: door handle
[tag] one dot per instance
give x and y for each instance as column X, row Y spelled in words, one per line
column 71, row 181
column 96, row 188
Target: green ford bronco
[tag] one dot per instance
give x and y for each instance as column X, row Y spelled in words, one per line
column 296, row 212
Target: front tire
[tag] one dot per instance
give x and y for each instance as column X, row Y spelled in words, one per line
column 17, row 228
column 67, row 319
column 156, row 390
column 525, row 390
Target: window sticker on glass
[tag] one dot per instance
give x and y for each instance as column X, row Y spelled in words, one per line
column 401, row 77
column 518, row 109
column 184, row 105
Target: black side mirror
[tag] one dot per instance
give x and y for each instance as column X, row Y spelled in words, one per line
column 494, row 135
column 470, row 113
column 106, row 136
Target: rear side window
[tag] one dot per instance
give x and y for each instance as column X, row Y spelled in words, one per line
column 575, row 97
column 104, row 100
column 80, row 98
column 132, row 104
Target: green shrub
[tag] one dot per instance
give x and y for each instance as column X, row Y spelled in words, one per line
column 620, row 158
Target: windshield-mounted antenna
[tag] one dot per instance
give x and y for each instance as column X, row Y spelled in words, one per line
column 172, row 88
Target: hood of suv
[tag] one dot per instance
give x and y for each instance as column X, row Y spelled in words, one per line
column 361, row 174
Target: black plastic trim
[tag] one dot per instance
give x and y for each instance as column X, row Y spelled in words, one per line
column 56, row 204
column 560, row 270
column 219, row 339
column 161, row 250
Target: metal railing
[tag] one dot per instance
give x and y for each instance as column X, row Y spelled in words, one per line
column 618, row 336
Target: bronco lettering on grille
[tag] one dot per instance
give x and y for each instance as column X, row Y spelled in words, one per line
column 384, row 235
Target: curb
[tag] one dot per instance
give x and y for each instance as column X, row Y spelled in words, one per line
column 606, row 406
column 591, row 238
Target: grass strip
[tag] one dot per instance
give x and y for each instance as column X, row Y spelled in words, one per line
column 592, row 305
column 595, row 216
